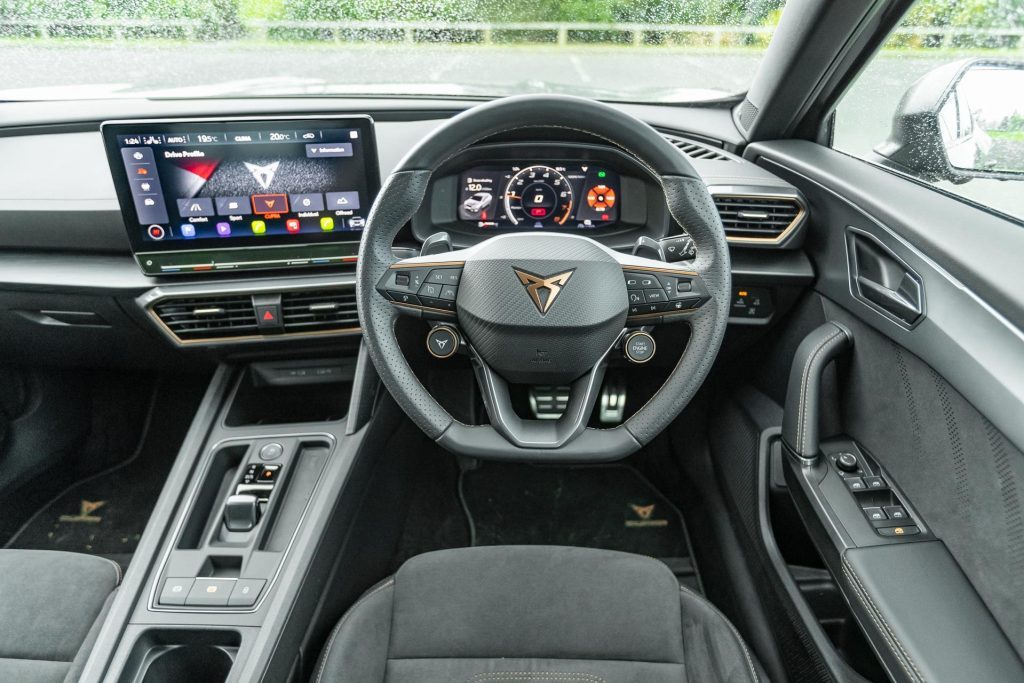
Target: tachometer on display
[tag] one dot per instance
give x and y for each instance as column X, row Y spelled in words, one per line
column 537, row 195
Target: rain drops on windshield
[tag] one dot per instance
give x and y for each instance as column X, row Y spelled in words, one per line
column 632, row 50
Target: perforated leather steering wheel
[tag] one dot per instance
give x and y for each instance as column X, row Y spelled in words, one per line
column 543, row 308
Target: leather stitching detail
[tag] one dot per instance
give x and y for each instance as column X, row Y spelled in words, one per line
column 736, row 634
column 117, row 572
column 902, row 656
column 537, row 676
column 337, row 629
column 804, row 394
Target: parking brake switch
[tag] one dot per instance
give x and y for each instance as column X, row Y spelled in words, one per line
column 242, row 511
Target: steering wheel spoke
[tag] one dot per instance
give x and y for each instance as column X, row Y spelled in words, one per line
column 527, row 433
column 658, row 292
column 424, row 287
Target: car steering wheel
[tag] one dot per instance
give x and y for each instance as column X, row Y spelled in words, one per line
column 543, row 308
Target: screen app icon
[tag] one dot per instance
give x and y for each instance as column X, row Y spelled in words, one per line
column 292, row 225
column 188, row 230
column 259, row 227
column 223, row 229
column 327, row 224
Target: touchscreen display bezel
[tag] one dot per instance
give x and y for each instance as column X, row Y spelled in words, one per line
column 110, row 131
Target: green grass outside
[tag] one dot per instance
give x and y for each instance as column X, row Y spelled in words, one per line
column 1008, row 135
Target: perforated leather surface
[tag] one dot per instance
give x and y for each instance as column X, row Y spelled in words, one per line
column 691, row 206
column 399, row 198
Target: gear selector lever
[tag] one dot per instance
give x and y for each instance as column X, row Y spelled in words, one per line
column 241, row 512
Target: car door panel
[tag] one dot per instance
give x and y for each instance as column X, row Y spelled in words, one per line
column 938, row 403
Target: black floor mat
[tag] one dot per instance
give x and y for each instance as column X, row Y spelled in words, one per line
column 105, row 513
column 606, row 506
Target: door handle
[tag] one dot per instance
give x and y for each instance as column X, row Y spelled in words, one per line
column 904, row 302
column 882, row 280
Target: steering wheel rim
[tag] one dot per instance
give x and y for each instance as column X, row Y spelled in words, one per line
column 688, row 202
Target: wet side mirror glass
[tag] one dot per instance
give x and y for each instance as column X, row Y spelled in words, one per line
column 960, row 121
column 982, row 121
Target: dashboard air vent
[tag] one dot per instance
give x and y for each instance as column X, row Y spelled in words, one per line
column 696, row 150
column 319, row 310
column 757, row 218
column 210, row 317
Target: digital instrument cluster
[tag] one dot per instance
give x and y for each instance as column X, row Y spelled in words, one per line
column 540, row 196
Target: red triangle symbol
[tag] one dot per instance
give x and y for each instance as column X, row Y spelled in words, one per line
column 268, row 315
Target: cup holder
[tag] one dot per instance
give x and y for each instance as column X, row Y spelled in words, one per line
column 174, row 655
column 189, row 663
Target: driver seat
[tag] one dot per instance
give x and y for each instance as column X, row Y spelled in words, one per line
column 534, row 614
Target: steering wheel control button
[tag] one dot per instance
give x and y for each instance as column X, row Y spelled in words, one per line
column 897, row 531
column 442, row 342
column 445, row 276
column 210, row 593
column 430, row 290
column 856, row 484
column 403, row 298
column 847, row 462
column 639, row 347
column 246, row 592
column 271, row 451
column 655, row 295
column 449, row 292
column 175, row 591
column 636, row 296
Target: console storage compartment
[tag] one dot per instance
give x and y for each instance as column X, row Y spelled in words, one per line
column 173, row 655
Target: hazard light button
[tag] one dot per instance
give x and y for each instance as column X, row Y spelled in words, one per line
column 268, row 312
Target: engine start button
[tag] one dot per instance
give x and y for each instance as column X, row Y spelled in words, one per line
column 639, row 347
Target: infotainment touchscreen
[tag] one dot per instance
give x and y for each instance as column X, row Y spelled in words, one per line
column 245, row 193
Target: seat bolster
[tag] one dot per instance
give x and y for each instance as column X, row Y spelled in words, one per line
column 357, row 649
column 714, row 649
column 49, row 601
column 536, row 602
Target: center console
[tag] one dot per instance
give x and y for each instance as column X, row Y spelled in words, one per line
column 246, row 530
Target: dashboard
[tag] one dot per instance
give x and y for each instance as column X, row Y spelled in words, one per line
column 71, row 284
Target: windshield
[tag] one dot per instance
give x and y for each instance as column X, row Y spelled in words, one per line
column 626, row 50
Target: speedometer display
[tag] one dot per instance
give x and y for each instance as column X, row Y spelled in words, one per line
column 540, row 196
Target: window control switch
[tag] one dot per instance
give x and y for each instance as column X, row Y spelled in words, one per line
column 897, row 513
column 856, row 484
column 875, row 514
column 875, row 483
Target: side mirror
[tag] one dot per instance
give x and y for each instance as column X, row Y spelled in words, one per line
column 960, row 121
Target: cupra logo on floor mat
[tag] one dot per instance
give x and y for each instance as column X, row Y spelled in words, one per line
column 85, row 514
column 645, row 514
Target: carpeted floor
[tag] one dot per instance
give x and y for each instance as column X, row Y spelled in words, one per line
column 105, row 513
column 597, row 506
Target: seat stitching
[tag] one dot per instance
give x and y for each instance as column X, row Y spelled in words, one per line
column 880, row 621
column 337, row 629
column 117, row 571
column 538, row 675
column 804, row 394
column 735, row 633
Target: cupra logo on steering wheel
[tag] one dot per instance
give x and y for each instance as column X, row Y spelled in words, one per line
column 552, row 285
